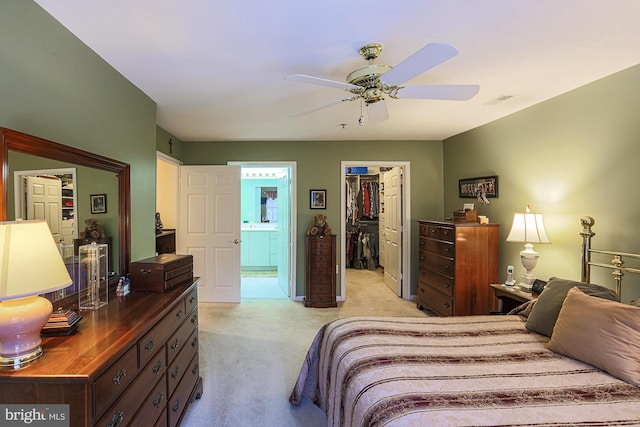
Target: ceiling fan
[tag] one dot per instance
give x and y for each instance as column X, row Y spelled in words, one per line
column 371, row 83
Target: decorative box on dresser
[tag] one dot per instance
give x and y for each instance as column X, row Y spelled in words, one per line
column 320, row 273
column 132, row 362
column 457, row 263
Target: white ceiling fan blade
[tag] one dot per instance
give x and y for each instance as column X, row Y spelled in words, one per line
column 426, row 58
column 302, row 78
column 445, row 92
column 313, row 110
column 377, row 112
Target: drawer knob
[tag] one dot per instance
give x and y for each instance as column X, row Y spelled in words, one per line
column 194, row 342
column 179, row 314
column 175, row 372
column 194, row 371
column 194, row 320
column 192, row 300
column 157, row 368
column 148, row 346
column 119, row 376
column 117, row 419
column 175, row 344
column 176, row 406
column 158, row 400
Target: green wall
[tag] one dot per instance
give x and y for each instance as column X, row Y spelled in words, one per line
column 574, row 155
column 175, row 149
column 318, row 167
column 55, row 87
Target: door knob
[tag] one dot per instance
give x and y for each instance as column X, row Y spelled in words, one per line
column 236, row 241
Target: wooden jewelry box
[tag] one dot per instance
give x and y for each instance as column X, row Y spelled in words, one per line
column 161, row 273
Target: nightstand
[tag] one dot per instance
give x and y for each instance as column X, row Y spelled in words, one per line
column 510, row 297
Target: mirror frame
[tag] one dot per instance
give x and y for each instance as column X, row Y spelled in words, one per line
column 11, row 140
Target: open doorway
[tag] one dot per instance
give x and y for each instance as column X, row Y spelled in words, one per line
column 266, row 255
column 375, row 222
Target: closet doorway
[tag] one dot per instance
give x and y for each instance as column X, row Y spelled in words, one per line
column 375, row 225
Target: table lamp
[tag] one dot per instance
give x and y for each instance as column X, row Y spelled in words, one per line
column 528, row 228
column 30, row 265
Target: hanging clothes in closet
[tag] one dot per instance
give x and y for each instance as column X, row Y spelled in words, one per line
column 363, row 209
column 363, row 198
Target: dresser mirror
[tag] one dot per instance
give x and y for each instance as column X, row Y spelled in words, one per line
column 107, row 176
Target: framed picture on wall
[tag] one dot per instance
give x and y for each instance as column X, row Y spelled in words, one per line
column 98, row 203
column 318, row 199
column 474, row 187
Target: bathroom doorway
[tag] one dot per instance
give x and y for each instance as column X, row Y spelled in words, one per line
column 266, row 209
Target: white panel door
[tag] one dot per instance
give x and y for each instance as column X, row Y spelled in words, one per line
column 44, row 201
column 392, row 230
column 209, row 229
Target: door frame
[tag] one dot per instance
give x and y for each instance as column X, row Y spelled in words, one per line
column 405, row 274
column 292, row 212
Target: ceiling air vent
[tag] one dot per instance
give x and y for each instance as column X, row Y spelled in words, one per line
column 498, row 100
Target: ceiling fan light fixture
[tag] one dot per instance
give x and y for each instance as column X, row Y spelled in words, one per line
column 370, row 51
column 371, row 83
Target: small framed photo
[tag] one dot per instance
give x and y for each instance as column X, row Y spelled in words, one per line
column 98, row 203
column 318, row 199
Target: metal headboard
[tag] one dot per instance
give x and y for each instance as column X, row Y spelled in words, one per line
column 616, row 263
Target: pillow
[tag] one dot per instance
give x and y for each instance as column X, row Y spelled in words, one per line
column 602, row 333
column 524, row 309
column 544, row 314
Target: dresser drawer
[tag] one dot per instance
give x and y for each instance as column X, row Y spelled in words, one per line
column 424, row 230
column 180, row 365
column 440, row 304
column 442, row 232
column 127, row 405
column 157, row 336
column 154, row 405
column 435, row 280
column 115, row 380
column 191, row 300
column 441, row 247
column 439, row 263
column 180, row 338
column 180, row 398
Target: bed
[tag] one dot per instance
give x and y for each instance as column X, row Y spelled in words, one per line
column 569, row 357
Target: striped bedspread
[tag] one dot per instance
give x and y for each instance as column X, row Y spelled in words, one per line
column 455, row 371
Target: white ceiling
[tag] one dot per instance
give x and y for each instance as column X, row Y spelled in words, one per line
column 216, row 68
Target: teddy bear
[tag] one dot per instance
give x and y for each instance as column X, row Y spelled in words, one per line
column 319, row 226
column 93, row 230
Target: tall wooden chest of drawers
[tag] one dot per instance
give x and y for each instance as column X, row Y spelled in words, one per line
column 320, row 277
column 457, row 263
column 133, row 362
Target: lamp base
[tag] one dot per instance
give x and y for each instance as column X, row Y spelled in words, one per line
column 21, row 321
column 17, row 362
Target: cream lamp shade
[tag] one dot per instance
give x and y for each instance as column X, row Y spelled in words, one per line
column 30, row 265
column 528, row 228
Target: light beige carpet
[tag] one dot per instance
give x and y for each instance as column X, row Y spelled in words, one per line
column 251, row 353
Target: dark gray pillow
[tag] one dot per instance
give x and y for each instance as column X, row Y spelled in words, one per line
column 545, row 312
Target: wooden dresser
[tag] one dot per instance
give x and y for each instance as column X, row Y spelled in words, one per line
column 133, row 362
column 320, row 275
column 457, row 263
